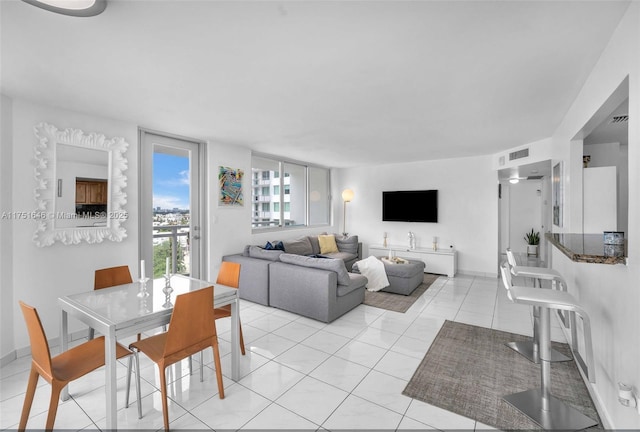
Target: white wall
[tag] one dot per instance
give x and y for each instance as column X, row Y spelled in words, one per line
column 610, row 293
column 41, row 275
column 6, row 227
column 467, row 207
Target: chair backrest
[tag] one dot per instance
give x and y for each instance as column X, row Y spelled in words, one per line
column 37, row 338
column 229, row 274
column 511, row 258
column 505, row 271
column 112, row 276
column 192, row 321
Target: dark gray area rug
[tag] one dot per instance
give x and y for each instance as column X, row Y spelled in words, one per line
column 469, row 369
column 398, row 302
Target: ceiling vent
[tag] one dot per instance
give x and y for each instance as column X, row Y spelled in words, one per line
column 619, row 119
column 535, row 177
column 519, row 154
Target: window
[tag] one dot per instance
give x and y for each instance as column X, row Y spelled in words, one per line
column 303, row 191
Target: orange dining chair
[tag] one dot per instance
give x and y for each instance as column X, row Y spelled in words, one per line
column 229, row 275
column 109, row 277
column 192, row 329
column 61, row 369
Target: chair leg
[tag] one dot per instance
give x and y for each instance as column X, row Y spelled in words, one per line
column 56, row 388
column 201, row 366
column 28, row 398
column 138, row 392
column 126, row 397
column 163, row 390
column 242, row 341
column 216, row 359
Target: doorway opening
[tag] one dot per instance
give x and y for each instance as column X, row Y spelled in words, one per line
column 524, row 198
column 171, row 204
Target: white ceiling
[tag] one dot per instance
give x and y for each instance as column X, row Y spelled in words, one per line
column 339, row 83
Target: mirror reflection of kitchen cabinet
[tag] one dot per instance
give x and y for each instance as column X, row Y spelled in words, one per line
column 91, row 191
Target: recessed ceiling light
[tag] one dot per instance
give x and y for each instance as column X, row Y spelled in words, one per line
column 79, row 8
column 514, row 180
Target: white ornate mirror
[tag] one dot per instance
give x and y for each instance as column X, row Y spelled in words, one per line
column 79, row 186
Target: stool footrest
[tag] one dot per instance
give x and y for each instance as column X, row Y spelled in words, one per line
column 526, row 350
column 560, row 416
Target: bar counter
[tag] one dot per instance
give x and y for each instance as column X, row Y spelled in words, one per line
column 588, row 248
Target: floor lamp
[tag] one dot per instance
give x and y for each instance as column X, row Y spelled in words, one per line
column 347, row 196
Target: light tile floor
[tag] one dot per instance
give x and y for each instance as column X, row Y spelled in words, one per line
column 297, row 374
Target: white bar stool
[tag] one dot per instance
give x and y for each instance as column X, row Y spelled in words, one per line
column 539, row 274
column 538, row 404
column 530, row 349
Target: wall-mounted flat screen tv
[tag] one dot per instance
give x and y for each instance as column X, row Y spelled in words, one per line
column 410, row 206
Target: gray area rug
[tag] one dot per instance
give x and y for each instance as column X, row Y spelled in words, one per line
column 469, row 369
column 398, row 302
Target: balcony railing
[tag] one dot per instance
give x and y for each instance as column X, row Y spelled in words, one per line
column 171, row 232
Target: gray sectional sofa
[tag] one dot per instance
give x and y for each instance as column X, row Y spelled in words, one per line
column 301, row 279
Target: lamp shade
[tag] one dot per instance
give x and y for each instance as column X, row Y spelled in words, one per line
column 347, row 195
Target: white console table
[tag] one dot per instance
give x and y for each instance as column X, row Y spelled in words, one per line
column 440, row 261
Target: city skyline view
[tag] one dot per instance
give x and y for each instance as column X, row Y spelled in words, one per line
column 170, row 181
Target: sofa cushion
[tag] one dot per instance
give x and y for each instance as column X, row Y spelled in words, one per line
column 301, row 246
column 357, row 281
column 334, row 265
column 349, row 244
column 327, row 244
column 258, row 252
column 344, row 256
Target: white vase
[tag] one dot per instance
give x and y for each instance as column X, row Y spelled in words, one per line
column 532, row 250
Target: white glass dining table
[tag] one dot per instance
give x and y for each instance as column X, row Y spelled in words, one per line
column 124, row 310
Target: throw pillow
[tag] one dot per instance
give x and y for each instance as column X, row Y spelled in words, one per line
column 327, row 244
column 349, row 244
column 276, row 245
column 301, row 246
column 315, row 245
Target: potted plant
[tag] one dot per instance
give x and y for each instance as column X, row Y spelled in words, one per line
column 533, row 240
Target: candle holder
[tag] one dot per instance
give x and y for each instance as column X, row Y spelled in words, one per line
column 167, row 304
column 143, row 288
column 167, row 285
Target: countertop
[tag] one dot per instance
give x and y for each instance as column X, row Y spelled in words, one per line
column 588, row 248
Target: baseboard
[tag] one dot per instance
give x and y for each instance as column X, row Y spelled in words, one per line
column 5, row 360
column 26, row 351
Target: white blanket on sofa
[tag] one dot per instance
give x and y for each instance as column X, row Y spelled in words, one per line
column 373, row 269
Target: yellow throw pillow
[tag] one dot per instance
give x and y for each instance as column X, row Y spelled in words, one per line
column 327, row 244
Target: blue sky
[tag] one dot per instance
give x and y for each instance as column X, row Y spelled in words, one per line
column 170, row 181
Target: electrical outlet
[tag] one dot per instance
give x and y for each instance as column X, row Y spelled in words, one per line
column 628, row 397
